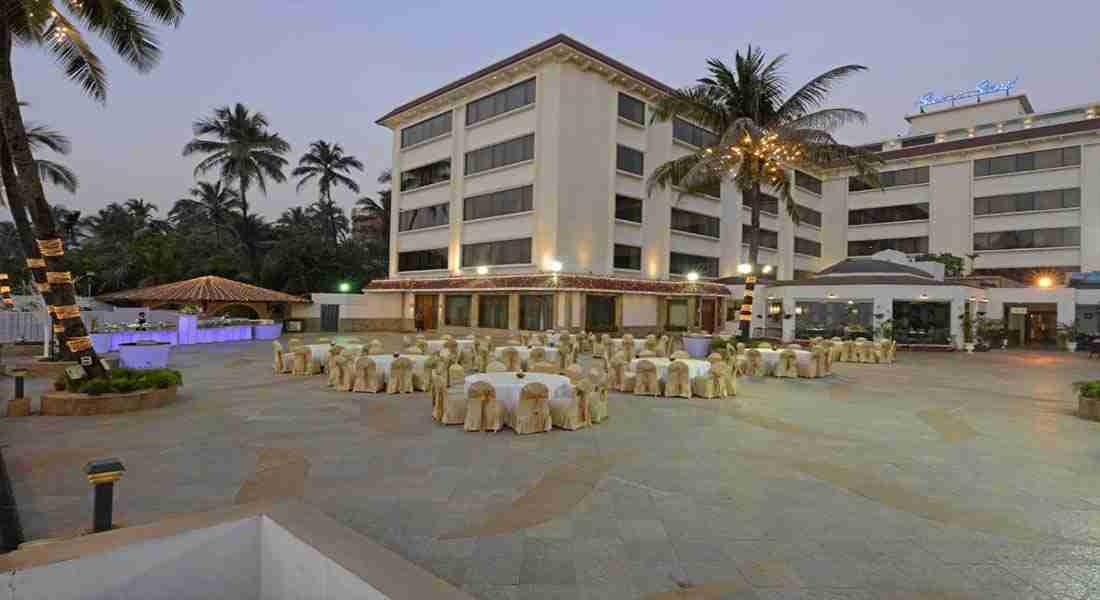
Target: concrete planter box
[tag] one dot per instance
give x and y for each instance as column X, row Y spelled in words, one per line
column 74, row 404
column 1088, row 408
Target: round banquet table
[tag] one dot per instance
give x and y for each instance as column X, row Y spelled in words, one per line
column 319, row 352
column 525, row 352
column 383, row 362
column 771, row 358
column 437, row 345
column 695, row 367
column 508, row 387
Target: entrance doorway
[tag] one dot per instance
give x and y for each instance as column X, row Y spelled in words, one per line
column 1032, row 325
column 330, row 317
column 426, row 308
column 599, row 313
column 710, row 306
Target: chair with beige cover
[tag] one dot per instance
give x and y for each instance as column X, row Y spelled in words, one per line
column 510, row 358
column 532, row 414
column 628, row 347
column 678, row 381
column 367, row 377
column 375, row 347
column 482, row 410
column 680, row 355
column 293, row 343
column 878, row 354
column 495, row 366
column 815, row 368
column 892, row 351
column 787, row 365
column 661, row 349
column 585, row 340
column 756, row 367
column 281, row 362
column 711, row 384
column 422, row 372
column 524, row 338
column 537, row 354
column 576, row 414
column 567, row 355
column 301, row 361
column 439, row 397
column 621, row 378
column 346, row 381
column 646, row 382
column 605, row 339
column 400, row 380
column 651, row 343
column 599, row 352
column 539, row 339
column 452, row 346
column 330, row 366
column 484, row 357
column 597, row 403
column 574, row 372
column 840, row 351
column 456, row 375
column 467, row 357
column 421, row 344
column 454, row 407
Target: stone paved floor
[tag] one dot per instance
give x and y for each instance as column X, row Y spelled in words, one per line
column 944, row 476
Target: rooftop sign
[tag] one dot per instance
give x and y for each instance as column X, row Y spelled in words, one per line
column 983, row 88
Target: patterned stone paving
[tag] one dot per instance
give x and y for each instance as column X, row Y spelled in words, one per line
column 944, row 476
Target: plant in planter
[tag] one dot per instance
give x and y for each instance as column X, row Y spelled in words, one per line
column 991, row 333
column 884, row 330
column 968, row 330
column 1067, row 335
column 122, row 381
column 1088, row 399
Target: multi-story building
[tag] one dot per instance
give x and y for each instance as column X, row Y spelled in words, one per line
column 520, row 201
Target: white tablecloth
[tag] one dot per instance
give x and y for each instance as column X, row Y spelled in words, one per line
column 437, row 345
column 319, row 352
column 508, row 387
column 771, row 357
column 383, row 362
column 695, row 367
column 525, row 352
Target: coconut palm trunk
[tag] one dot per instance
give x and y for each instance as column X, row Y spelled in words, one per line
column 61, row 293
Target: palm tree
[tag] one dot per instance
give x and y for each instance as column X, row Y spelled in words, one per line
column 69, row 222
column 295, row 219
column 375, row 212
column 328, row 165
column 242, row 149
column 762, row 136
column 53, row 26
column 333, row 222
column 210, row 204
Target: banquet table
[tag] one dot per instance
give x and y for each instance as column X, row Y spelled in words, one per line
column 319, row 352
column 695, row 367
column 383, row 362
column 525, row 352
column 771, row 358
column 437, row 345
column 508, row 387
column 110, row 341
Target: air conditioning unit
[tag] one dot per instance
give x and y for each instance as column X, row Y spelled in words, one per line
column 294, row 326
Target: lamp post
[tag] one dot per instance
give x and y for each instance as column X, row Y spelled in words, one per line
column 103, row 474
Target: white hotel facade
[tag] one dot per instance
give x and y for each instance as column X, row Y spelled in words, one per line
column 520, row 192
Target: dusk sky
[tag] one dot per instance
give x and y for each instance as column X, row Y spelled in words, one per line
column 329, row 68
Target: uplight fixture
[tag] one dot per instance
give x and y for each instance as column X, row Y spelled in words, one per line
column 483, row 270
column 345, row 287
column 693, row 277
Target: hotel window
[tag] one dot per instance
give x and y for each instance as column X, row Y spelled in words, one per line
column 422, row 260
column 696, row 223
column 426, row 175
column 1028, row 161
column 503, row 202
column 508, row 252
column 768, row 238
column 678, row 317
column 631, row 109
column 914, row 176
column 807, row 215
column 889, row 214
column 801, row 274
column 1011, row 203
column 912, row 245
column 428, row 216
column 628, row 257
column 628, row 209
column 500, row 155
column 501, row 102
column 692, row 134
column 1057, row 237
column 492, row 311
column 768, row 204
column 682, row 264
column 426, row 130
column 807, row 182
column 599, row 313
column 630, row 160
column 536, row 313
column 456, row 310
column 923, row 140
column 807, row 247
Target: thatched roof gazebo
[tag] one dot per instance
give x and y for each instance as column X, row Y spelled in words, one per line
column 215, row 295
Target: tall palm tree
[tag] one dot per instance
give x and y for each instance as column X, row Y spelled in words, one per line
column 375, row 212
column 242, row 149
column 328, row 165
column 762, row 135
column 333, row 221
column 210, row 204
column 69, row 222
column 295, row 219
column 53, row 26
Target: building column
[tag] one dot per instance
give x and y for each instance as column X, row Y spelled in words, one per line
column 693, row 313
column 439, row 312
column 474, row 300
column 619, row 313
column 788, row 324
column 513, row 312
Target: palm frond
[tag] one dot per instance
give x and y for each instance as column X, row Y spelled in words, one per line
column 42, row 136
column 814, row 92
column 57, row 174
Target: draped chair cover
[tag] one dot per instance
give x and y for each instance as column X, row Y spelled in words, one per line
column 456, row 375
column 302, row 361
column 532, row 414
column 439, row 397
column 524, row 338
column 711, row 384
column 891, row 352
column 330, row 369
column 756, row 367
column 279, row 364
column 574, row 372
column 816, row 367
column 714, row 357
column 661, row 349
column 511, row 360
column 467, row 357
column 482, row 410
column 422, row 344
column 375, row 347
column 729, row 379
column 787, row 365
column 597, row 404
column 865, row 352
column 294, row 343
column 585, row 342
column 575, row 415
column 540, row 339
column 452, row 346
column 422, row 373
column 367, row 377
column 878, row 355
column 741, row 364
column 628, row 347
column 599, row 352
column 346, row 381
column 847, row 352
column 568, row 355
column 741, row 347
column 401, row 377
column 680, row 355
column 646, row 382
column 621, row 378
column 536, row 355
column 651, row 343
column 454, row 407
column 543, row 367
column 678, row 381
column 495, row 366
column 605, row 339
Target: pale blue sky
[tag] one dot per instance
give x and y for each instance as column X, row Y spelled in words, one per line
column 329, row 68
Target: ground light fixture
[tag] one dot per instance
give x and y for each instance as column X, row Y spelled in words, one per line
column 483, row 270
column 345, row 287
column 693, row 276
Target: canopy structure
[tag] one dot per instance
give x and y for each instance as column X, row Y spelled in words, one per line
column 209, row 292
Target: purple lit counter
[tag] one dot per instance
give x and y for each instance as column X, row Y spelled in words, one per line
column 110, row 342
column 144, row 355
column 232, row 333
column 267, row 332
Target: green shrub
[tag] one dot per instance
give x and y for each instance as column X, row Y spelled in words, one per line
column 1088, row 389
column 162, row 379
column 96, row 387
column 764, row 345
column 124, row 381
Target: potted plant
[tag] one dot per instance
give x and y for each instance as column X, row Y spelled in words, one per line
column 968, row 331
column 991, row 333
column 1067, row 335
column 1088, row 399
column 884, row 331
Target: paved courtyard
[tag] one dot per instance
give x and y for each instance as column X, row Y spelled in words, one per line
column 943, row 476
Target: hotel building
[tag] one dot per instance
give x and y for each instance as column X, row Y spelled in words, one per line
column 520, row 201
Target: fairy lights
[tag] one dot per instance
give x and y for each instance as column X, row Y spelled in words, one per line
column 769, row 154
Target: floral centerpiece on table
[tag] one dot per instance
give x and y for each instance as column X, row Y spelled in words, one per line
column 191, row 309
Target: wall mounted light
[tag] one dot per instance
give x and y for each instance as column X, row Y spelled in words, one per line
column 483, row 270
column 744, row 269
column 766, row 269
column 693, row 277
column 554, row 266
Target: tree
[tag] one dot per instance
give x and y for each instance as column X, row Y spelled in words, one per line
column 210, row 205
column 327, row 165
column 761, row 136
column 374, row 214
column 237, row 143
column 296, row 218
column 123, row 23
column 333, row 222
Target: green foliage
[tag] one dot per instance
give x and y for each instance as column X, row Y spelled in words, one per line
column 991, row 331
column 1087, row 389
column 953, row 266
column 968, row 326
column 123, row 381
